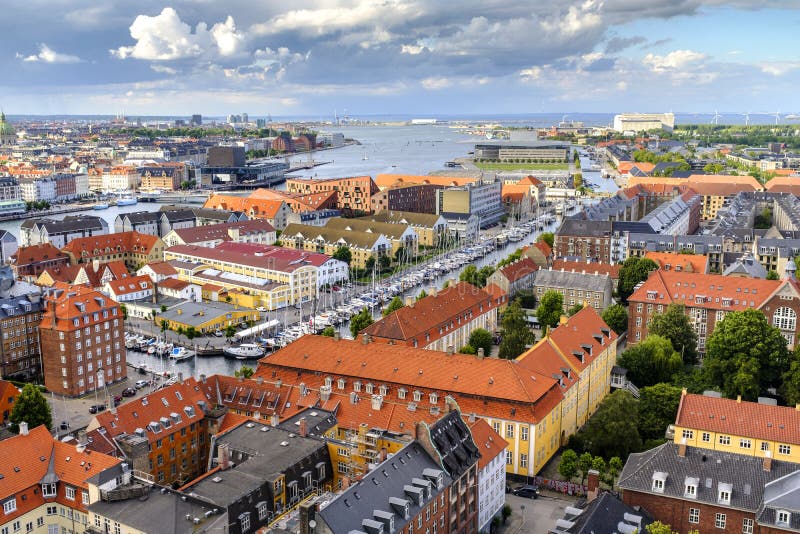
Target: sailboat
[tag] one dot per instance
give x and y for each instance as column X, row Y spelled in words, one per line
column 364, row 157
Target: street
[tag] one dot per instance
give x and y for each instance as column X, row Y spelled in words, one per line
column 536, row 516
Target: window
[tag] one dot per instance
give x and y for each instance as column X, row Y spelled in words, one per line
column 523, row 460
column 510, row 430
column 244, row 521
column 496, row 426
column 49, row 490
column 747, row 526
column 783, row 517
column 688, row 434
column 70, row 493
column 719, row 521
column 724, row 440
column 706, row 437
column 784, row 449
column 691, row 490
column 524, row 433
column 10, row 506
column 658, row 485
column 694, row 515
column 724, row 494
column 785, row 319
column 85, row 497
column 509, row 458
column 744, row 443
column 262, row 510
column 764, row 445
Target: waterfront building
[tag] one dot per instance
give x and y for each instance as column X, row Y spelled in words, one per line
column 584, row 240
column 637, row 122
column 167, row 176
column 514, row 277
column 431, row 229
column 133, row 248
column 252, row 231
column 353, row 194
column 276, row 211
column 513, row 151
column 119, row 178
column 482, row 199
column 362, row 245
column 130, row 288
column 266, row 173
column 206, row 317
column 82, row 341
column 51, row 484
column 419, row 198
column 42, row 189
column 9, row 189
column 60, row 232
column 400, row 234
column 384, row 181
column 441, row 321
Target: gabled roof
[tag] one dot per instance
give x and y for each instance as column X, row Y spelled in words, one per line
column 132, row 284
column 126, row 241
column 519, row 269
column 490, row 443
column 36, row 253
column 610, row 269
column 222, row 232
column 162, row 268
column 254, row 255
column 739, row 418
column 696, row 263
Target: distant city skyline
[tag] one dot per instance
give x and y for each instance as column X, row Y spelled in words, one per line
column 368, row 57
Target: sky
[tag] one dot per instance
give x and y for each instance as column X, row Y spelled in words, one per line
column 417, row 57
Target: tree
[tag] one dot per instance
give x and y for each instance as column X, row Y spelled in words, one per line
column 230, row 331
column 395, row 304
column 615, row 466
column 658, row 406
column 480, row 338
column 551, row 306
column 613, row 429
column 574, row 309
column 599, row 465
column 745, row 355
column 773, row 275
column 164, row 325
column 516, row 335
column 344, row 254
column 422, row 295
column 506, row 513
column 633, row 271
column 584, row 464
column 384, row 262
column 360, row 321
column 568, row 467
column 674, row 325
column 475, row 276
column 651, row 361
column 30, row 407
column 244, row 372
column 369, row 264
column 467, row 349
column 328, row 331
column 547, row 237
column 191, row 332
column 616, row 317
column 399, row 254
column 124, row 310
column 163, row 308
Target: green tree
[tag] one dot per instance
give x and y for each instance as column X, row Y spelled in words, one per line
column 773, row 275
column 230, row 331
column 613, row 429
column 551, row 306
column 360, row 321
column 468, row 349
column 395, row 304
column 505, row 513
column 328, row 331
column 745, row 355
column 615, row 466
column 675, row 326
column 651, row 361
column 191, row 332
column 124, row 310
column 399, row 254
column 30, row 407
column 475, row 276
column 422, row 295
column 599, row 465
column 163, row 308
column 633, row 271
column 658, row 406
column 344, row 254
column 516, row 334
column 511, row 258
column 568, row 466
column 547, row 237
column 164, row 325
column 791, row 379
column 616, row 317
column 584, row 464
column 575, row 309
column 244, row 372
column 369, row 264
column 384, row 263
column 480, row 338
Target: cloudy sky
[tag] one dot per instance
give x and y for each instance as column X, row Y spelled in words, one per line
column 398, row 56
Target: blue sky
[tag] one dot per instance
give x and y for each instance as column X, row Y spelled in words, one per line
column 398, row 56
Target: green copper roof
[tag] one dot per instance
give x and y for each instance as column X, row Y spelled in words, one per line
column 5, row 127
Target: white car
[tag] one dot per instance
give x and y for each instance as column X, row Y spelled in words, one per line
column 261, row 309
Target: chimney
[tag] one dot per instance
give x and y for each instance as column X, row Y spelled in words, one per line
column 738, row 399
column 450, row 350
column 593, row 484
column 259, row 380
column 767, row 464
column 377, row 402
column 23, row 428
column 480, row 353
column 95, row 265
column 223, row 456
column 410, row 301
column 337, row 335
column 274, row 420
column 324, row 393
column 471, row 417
column 682, row 448
column 180, row 377
column 203, row 379
column 365, row 339
column 302, row 429
column 383, row 454
column 563, row 319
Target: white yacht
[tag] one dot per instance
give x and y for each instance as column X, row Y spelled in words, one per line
column 181, row 353
column 245, row 351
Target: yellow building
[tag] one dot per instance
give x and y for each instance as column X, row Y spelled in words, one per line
column 206, row 317
column 430, row 227
column 739, row 427
column 362, row 245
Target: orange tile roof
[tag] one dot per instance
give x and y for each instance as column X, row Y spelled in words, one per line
column 36, row 254
column 519, row 269
column 254, row 207
column 173, row 283
column 610, row 269
column 490, row 443
column 68, row 305
column 529, row 180
column 131, row 284
column 429, row 313
column 704, row 184
column 644, row 166
column 668, row 261
column 784, row 184
column 140, row 412
column 97, row 245
column 544, row 247
column 387, row 180
column 461, row 375
column 713, row 289
column 747, row 419
column 162, row 268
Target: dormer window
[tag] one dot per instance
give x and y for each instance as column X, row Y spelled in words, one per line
column 368, row 388
column 417, row 396
column 340, row 383
column 783, row 518
column 49, row 490
column 357, row 386
column 328, row 381
column 724, row 493
column 659, row 481
column 401, row 393
column 434, row 398
column 690, row 488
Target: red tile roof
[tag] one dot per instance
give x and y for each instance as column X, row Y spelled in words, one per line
column 519, row 269
column 697, row 263
column 222, row 232
column 68, row 304
column 610, row 269
column 162, row 268
column 124, row 242
column 490, row 443
column 747, row 419
column 36, row 254
column 173, row 283
column 254, row 255
column 132, row 284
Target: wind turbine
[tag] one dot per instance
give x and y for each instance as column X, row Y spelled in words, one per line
column 746, row 118
column 715, row 119
column 777, row 117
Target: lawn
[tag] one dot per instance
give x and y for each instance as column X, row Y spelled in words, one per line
column 521, row 166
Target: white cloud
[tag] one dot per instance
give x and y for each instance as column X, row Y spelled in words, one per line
column 48, row 55
column 533, row 73
column 779, row 68
column 166, row 37
column 436, row 82
column 676, row 60
column 412, row 50
column 163, row 69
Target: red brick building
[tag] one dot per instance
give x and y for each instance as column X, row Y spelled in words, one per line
column 353, row 194
column 583, row 240
column 30, row 261
column 82, row 340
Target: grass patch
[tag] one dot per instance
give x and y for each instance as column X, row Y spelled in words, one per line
column 522, row 166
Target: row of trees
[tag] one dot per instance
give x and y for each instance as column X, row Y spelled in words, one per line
column 572, row 465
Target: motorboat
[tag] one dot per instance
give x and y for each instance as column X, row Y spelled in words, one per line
column 126, row 201
column 181, row 353
column 99, row 207
column 245, row 351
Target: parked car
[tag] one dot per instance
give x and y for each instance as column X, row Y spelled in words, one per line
column 141, row 384
column 129, row 392
column 97, row 408
column 117, row 398
column 261, row 309
column 528, row 491
column 218, row 333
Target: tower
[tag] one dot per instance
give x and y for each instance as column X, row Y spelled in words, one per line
column 8, row 136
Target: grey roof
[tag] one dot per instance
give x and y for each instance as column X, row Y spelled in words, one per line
column 603, row 515
column 745, row 474
column 585, row 228
column 318, row 421
column 70, row 223
column 747, row 266
column 392, row 480
column 268, row 451
column 177, row 214
column 142, row 216
column 782, row 494
column 190, row 312
column 162, row 510
column 585, row 281
column 453, row 441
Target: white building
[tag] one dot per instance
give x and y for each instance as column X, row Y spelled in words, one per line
column 130, row 288
column 38, row 189
column 637, row 122
column 491, row 472
column 136, row 157
column 332, row 272
column 81, row 185
column 333, row 140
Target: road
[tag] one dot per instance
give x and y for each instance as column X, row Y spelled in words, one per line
column 537, row 516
